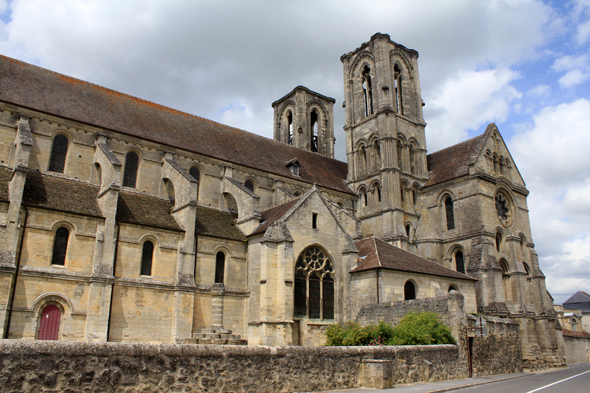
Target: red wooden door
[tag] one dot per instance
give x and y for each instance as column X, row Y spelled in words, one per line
column 49, row 326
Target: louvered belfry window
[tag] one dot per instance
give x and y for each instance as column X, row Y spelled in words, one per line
column 60, row 246
column 59, row 150
column 131, row 165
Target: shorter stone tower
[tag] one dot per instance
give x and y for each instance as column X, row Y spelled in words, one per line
column 305, row 119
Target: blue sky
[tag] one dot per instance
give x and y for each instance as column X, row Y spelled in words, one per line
column 524, row 64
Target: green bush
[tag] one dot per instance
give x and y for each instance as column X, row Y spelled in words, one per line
column 413, row 329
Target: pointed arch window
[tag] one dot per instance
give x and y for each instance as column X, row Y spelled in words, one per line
column 399, row 155
column 219, row 268
column 290, row 126
column 314, row 130
column 131, row 166
column 450, row 213
column 498, row 241
column 60, row 246
column 147, row 256
column 367, row 91
column 409, row 291
column 377, row 150
column 459, row 262
column 397, row 75
column 314, row 285
column 363, row 163
column 59, row 150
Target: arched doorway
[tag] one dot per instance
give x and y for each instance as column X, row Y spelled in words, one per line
column 409, row 291
column 49, row 324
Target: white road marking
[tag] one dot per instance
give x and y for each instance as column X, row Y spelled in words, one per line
column 555, row 383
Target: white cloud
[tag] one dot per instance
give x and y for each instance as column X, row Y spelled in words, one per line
column 552, row 155
column 573, row 78
column 567, row 63
column 540, row 90
column 468, row 101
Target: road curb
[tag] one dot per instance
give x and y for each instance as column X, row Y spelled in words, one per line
column 479, row 383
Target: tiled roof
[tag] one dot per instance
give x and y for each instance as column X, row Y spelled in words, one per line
column 270, row 216
column 146, row 210
column 46, row 91
column 377, row 254
column 56, row 193
column 216, row 223
column 454, row 161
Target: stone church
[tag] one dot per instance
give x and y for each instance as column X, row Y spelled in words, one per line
column 127, row 221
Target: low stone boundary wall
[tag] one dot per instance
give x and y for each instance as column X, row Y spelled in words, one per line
column 39, row 366
column 577, row 347
column 499, row 351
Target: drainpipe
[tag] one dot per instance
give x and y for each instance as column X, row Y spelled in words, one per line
column 20, row 249
column 113, row 285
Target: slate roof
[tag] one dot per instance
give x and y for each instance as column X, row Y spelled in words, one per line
column 56, row 193
column 146, row 210
column 47, row 91
column 273, row 214
column 579, row 301
column 216, row 223
column 377, row 254
column 454, row 161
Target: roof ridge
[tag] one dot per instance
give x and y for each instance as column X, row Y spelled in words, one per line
column 459, row 143
column 153, row 103
column 279, row 204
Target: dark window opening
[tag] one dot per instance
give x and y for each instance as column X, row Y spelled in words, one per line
column 59, row 150
column 314, row 285
column 367, row 91
column 314, row 221
column 194, row 172
column 527, row 269
column 378, row 193
column 450, row 213
column 365, row 198
column 408, row 230
column 377, row 156
column 249, row 185
column 498, row 241
column 414, row 199
column 397, row 75
column 453, row 288
column 409, row 291
column 399, row 156
column 459, row 263
column 60, row 246
column 402, row 192
column 290, row 126
column 147, row 257
column 219, row 267
column 131, row 165
column 501, row 206
column 314, row 131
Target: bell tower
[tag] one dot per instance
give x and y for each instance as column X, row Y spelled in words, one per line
column 305, row 119
column 385, row 138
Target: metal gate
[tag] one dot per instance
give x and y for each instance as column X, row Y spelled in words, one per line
column 49, row 326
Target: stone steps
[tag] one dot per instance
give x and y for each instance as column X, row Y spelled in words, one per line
column 215, row 336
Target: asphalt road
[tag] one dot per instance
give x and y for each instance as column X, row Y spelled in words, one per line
column 575, row 378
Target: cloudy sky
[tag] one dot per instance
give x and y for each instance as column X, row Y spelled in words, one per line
column 524, row 64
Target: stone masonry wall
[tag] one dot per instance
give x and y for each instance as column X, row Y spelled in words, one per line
column 43, row 366
column 499, row 351
column 576, row 348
